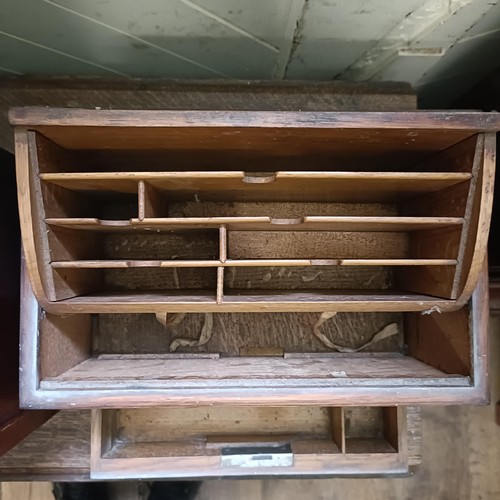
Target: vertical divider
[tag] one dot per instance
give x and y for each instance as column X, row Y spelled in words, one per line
column 391, row 432
column 141, row 200
column 150, row 202
column 220, row 285
column 103, row 429
column 223, row 244
column 222, row 258
column 338, row 427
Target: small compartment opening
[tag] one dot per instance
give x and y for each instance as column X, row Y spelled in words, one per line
column 210, row 431
column 195, row 351
column 366, row 429
column 61, row 202
column 322, row 279
column 236, row 334
column 317, row 245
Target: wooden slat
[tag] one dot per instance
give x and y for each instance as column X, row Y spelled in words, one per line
column 473, row 248
column 223, row 243
column 220, row 285
column 307, row 223
column 337, row 262
column 419, row 120
column 250, row 301
column 279, row 186
column 397, row 262
column 127, row 264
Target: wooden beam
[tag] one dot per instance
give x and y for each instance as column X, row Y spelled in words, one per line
column 95, row 92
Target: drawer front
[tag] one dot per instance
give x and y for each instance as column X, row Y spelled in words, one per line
column 248, row 442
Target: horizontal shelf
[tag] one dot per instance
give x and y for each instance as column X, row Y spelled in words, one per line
column 307, row 223
column 276, row 186
column 131, row 264
column 262, row 370
column 265, row 300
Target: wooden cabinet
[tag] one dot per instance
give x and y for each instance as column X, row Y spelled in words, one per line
column 259, row 263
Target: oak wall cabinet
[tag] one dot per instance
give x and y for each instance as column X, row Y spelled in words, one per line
column 272, row 264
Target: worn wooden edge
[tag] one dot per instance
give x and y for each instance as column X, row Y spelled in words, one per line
column 286, row 396
column 124, row 182
column 139, row 263
column 313, row 466
column 96, row 439
column 456, row 120
column 209, row 305
column 469, row 228
column 414, row 429
column 29, row 347
column 38, row 226
column 402, row 432
column 306, row 223
column 478, row 242
column 479, row 325
column 26, row 216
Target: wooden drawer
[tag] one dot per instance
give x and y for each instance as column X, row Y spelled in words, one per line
column 160, row 211
column 116, row 360
column 236, row 441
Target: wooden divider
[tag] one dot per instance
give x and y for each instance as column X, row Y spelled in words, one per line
column 319, row 186
column 305, row 223
column 150, row 202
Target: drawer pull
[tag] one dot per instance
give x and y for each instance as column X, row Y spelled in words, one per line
column 257, row 456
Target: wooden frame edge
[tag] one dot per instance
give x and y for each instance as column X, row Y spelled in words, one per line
column 39, row 116
column 479, row 252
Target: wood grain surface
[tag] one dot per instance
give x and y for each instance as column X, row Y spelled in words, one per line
column 73, row 267
column 26, row 491
column 128, row 93
column 461, row 450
